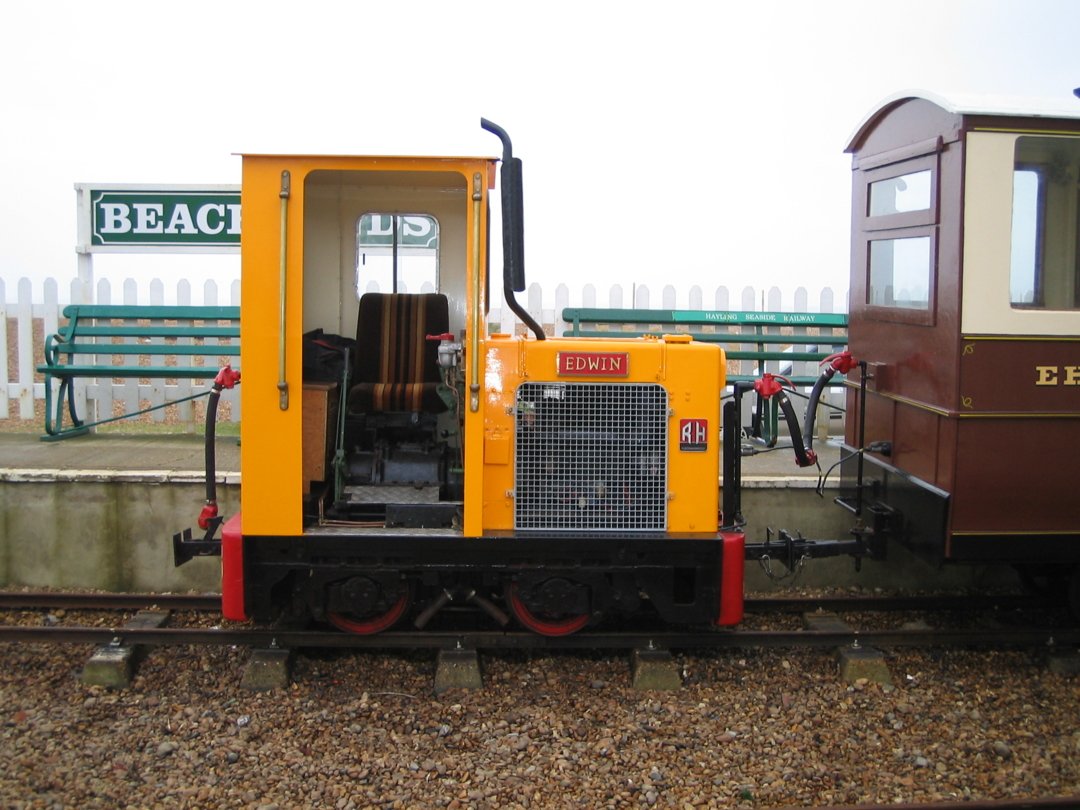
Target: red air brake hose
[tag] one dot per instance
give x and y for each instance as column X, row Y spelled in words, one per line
column 226, row 378
column 842, row 362
column 770, row 385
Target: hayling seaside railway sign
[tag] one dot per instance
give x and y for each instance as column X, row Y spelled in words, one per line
column 767, row 318
column 152, row 219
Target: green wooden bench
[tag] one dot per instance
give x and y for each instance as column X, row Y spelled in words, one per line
column 760, row 337
column 95, row 335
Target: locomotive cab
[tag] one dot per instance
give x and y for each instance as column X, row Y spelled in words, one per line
column 399, row 455
column 965, row 306
column 373, row 257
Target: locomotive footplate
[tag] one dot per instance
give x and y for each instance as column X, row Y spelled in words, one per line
column 552, row 579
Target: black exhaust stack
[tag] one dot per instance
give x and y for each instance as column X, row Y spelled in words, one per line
column 513, row 228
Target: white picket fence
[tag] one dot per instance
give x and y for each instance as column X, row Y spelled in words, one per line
column 22, row 389
column 20, row 352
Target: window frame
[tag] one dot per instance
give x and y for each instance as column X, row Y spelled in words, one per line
column 1038, row 291
column 923, row 316
column 905, row 219
column 904, row 225
column 989, row 160
column 1058, row 273
column 395, row 246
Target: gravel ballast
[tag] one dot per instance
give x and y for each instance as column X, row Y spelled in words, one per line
column 748, row 729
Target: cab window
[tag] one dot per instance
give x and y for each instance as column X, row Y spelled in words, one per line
column 397, row 253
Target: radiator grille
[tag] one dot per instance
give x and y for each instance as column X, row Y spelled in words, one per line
column 591, row 456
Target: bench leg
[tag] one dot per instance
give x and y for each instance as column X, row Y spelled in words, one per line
column 54, row 420
column 69, row 391
column 51, row 426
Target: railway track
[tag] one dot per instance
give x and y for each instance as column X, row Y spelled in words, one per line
column 29, row 600
column 68, row 631
column 1048, row 637
column 17, row 600
column 658, row 637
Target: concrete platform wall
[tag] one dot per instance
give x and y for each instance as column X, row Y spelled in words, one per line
column 104, row 534
column 116, row 535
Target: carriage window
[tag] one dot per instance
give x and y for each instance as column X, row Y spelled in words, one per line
column 898, row 195
column 1025, row 241
column 1045, row 253
column 397, row 253
column 899, row 230
column 900, row 273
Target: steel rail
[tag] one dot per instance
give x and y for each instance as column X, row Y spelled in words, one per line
column 1045, row 637
column 944, row 602
column 15, row 600
column 209, row 602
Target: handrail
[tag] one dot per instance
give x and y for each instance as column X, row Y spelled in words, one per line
column 283, row 263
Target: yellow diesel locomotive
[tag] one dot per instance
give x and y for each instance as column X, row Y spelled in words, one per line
column 420, row 459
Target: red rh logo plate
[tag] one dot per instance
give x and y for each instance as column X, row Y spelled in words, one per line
column 593, row 364
column 694, row 435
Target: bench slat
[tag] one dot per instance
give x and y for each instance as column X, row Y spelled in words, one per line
column 106, row 349
column 167, row 372
column 579, row 315
column 162, row 313
column 795, row 357
column 723, row 337
column 798, row 380
column 104, row 330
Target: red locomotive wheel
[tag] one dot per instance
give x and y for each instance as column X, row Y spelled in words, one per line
column 374, row 624
column 545, row 627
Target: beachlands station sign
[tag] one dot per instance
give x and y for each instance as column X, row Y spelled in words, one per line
column 165, row 219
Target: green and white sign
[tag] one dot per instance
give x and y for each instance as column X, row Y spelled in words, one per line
column 168, row 219
column 765, row 318
column 412, row 231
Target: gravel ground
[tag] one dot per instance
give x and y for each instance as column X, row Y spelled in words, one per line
column 749, row 729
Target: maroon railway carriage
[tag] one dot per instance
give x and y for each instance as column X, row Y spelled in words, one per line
column 965, row 305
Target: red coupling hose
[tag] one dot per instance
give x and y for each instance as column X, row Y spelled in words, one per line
column 208, row 513
column 226, row 378
column 769, row 385
column 841, row 361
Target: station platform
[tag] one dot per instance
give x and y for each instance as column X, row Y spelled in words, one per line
column 98, row 456
column 100, row 511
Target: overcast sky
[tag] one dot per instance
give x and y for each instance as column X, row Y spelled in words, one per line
column 674, row 142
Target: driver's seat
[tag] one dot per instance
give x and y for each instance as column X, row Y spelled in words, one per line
column 396, row 367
